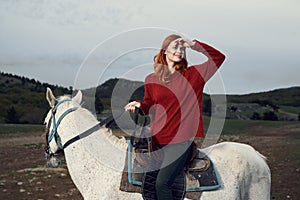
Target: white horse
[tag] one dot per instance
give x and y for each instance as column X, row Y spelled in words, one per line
column 95, row 163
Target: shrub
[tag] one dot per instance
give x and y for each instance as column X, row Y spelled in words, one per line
column 255, row 116
column 270, row 115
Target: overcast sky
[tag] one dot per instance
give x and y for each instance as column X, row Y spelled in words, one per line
column 83, row 43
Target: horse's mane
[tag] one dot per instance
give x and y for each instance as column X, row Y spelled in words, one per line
column 119, row 142
column 64, row 97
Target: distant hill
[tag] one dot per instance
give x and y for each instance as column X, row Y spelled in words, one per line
column 22, row 100
column 284, row 97
column 98, row 99
column 119, row 88
column 280, row 104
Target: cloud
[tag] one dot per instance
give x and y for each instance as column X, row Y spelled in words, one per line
column 72, row 12
column 259, row 38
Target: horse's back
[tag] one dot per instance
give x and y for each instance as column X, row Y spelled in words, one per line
column 243, row 171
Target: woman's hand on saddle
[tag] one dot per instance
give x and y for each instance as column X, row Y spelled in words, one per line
column 131, row 106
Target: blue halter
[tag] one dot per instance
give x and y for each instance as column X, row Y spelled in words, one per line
column 53, row 133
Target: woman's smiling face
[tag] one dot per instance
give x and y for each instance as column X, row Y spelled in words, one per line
column 175, row 51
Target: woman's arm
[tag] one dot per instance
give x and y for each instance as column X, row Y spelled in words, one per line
column 215, row 59
column 144, row 105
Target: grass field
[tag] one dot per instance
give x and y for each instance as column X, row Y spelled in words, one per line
column 20, row 128
column 237, row 127
column 231, row 126
column 290, row 109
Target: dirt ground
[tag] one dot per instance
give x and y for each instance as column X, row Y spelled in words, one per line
column 24, row 175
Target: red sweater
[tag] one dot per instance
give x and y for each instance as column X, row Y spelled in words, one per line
column 176, row 108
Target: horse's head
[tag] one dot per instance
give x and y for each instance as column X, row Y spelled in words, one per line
column 59, row 109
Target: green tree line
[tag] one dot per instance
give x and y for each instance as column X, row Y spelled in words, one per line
column 22, row 100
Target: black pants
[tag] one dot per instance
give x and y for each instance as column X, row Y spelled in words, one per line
column 175, row 157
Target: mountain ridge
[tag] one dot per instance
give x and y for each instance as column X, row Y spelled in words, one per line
column 22, row 100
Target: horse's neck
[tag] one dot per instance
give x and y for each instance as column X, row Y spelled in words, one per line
column 75, row 123
column 101, row 141
column 94, row 158
column 81, row 120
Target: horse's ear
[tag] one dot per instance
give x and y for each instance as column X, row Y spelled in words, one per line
column 78, row 97
column 50, row 97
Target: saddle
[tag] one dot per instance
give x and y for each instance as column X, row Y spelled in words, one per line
column 142, row 165
column 199, row 175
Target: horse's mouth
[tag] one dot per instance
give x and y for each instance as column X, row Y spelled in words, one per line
column 52, row 161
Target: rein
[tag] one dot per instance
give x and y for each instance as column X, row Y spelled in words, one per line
column 86, row 133
column 54, row 134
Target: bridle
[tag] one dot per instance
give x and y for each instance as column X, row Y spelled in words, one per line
column 53, row 133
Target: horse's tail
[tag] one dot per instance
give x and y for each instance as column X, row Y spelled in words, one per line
column 262, row 156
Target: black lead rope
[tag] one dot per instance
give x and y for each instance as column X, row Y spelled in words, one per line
column 144, row 138
column 107, row 122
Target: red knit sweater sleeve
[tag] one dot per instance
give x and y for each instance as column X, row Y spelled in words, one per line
column 147, row 103
column 215, row 59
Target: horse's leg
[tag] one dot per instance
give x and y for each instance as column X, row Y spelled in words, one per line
column 260, row 190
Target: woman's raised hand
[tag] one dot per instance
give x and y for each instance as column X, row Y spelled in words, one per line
column 185, row 42
column 131, row 106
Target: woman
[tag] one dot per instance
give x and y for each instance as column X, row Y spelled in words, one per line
column 173, row 97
